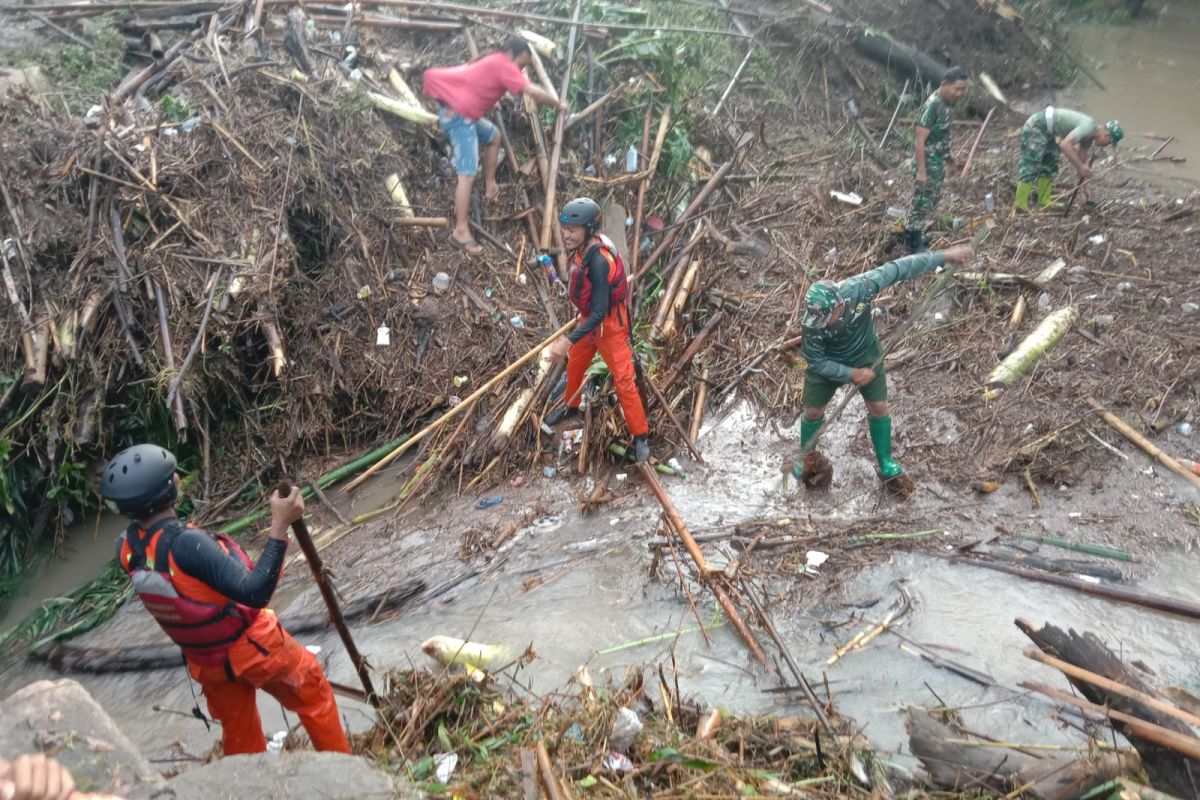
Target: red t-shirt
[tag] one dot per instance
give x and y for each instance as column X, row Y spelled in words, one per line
column 471, row 89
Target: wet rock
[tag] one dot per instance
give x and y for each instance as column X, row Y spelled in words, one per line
column 28, row 80
column 266, row 776
column 61, row 718
column 1102, row 322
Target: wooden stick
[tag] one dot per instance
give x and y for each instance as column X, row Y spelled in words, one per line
column 1149, row 447
column 422, row 222
column 639, row 209
column 458, row 409
column 1110, row 685
column 549, row 780
column 895, row 113
column 329, row 595
column 692, row 349
column 733, row 81
column 706, row 572
column 164, row 335
column 1172, row 740
column 667, row 297
column 589, row 110
column 971, row 156
column 698, row 407
column 1155, row 601
column 173, row 389
column 529, row 774
column 670, row 412
column 233, row 141
column 669, row 239
column 679, row 300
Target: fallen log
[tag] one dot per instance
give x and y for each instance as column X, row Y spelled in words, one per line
column 1147, row 446
column 1159, row 738
column 709, row 576
column 1155, row 601
column 142, row 658
column 896, row 55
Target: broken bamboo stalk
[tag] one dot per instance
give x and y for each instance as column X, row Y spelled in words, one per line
column 700, row 200
column 697, row 343
column 1034, row 347
column 422, row 222
column 1157, row 602
column 546, row 768
column 675, row 312
column 677, row 272
column 974, row 146
column 675, row 423
column 1151, row 449
column 640, row 207
column 164, row 336
column 895, row 114
column 706, row 572
column 276, row 355
column 592, row 108
column 1109, row 685
column 1188, row 746
column 33, row 378
column 733, row 81
column 698, row 407
column 173, row 389
column 458, row 409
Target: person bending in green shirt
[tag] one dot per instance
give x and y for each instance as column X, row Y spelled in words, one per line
column 840, row 346
column 931, row 152
column 1054, row 130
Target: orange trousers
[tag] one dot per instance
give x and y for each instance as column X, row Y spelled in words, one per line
column 268, row 658
column 611, row 339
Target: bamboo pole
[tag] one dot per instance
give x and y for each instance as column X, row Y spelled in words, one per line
column 678, row 273
column 698, row 407
column 329, row 594
column 706, row 572
column 1155, row 601
column 422, row 222
column 592, row 108
column 1081, row 547
column 1149, row 447
column 635, row 246
column 1183, row 744
column 546, row 768
column 1109, row 685
column 560, row 127
column 458, row 409
column 669, row 239
column 733, row 81
column 692, row 349
column 670, row 412
column 679, row 301
column 971, row 156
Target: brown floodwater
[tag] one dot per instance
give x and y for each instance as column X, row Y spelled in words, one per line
column 1151, row 71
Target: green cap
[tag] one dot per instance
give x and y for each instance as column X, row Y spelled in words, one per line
column 820, row 300
column 1118, row 133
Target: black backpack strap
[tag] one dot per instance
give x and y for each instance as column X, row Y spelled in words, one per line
column 139, row 539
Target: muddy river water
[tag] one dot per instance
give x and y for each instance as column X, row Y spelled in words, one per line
column 1151, row 74
column 577, row 590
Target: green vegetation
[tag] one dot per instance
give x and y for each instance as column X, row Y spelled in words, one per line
column 84, row 75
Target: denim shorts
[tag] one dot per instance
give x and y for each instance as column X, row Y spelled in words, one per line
column 465, row 136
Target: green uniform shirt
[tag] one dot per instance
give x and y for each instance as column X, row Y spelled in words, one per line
column 830, row 351
column 936, row 115
column 1078, row 126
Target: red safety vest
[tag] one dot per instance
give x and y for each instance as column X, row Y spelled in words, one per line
column 579, row 288
column 203, row 622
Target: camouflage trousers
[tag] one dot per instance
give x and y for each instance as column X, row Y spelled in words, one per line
column 925, row 198
column 1039, row 153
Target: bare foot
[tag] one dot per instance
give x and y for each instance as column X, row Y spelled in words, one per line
column 491, row 192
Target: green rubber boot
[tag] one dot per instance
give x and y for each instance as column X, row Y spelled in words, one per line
column 808, row 433
column 1045, row 191
column 881, row 440
column 1023, row 192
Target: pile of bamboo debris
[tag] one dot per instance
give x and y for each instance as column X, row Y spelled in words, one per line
column 236, row 252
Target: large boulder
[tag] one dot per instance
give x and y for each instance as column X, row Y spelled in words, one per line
column 267, row 776
column 61, row 719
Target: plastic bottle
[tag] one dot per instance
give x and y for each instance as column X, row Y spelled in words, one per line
column 989, row 202
column 631, row 159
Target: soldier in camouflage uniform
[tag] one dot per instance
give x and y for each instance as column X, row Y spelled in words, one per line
column 840, row 346
column 931, row 151
column 1050, row 131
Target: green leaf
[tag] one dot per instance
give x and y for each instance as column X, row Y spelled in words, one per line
column 444, row 737
column 588, row 782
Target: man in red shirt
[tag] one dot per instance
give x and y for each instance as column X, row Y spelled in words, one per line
column 465, row 93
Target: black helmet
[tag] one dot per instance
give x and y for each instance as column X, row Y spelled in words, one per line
column 582, row 211
column 139, row 480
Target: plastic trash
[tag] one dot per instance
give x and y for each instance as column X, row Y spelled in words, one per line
column 441, row 282
column 488, row 502
column 850, row 198
column 617, row 762
column 460, row 381
column 1189, row 308
column 896, row 212
column 383, row 336
column 625, row 729
column 446, row 762
column 275, row 743
column 516, row 321
column 631, row 159
column 549, row 472
column 364, row 292
column 989, row 202
column 1185, row 428
column 813, row 559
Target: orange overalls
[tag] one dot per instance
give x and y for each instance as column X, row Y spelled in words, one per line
column 611, row 338
column 230, row 649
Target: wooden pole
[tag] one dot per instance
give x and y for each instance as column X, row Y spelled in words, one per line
column 1109, row 685
column 698, row 407
column 706, row 572
column 458, row 409
column 971, row 156
column 329, row 595
column 1149, row 447
column 1157, row 602
column 1172, row 740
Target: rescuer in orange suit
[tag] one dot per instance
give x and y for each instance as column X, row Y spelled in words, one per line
column 598, row 288
column 211, row 600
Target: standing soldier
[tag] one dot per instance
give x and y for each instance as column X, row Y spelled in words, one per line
column 840, row 346
column 931, row 151
column 208, row 596
column 598, row 289
column 1048, row 132
column 465, row 93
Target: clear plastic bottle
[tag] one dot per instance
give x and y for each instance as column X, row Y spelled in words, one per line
column 631, row 159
